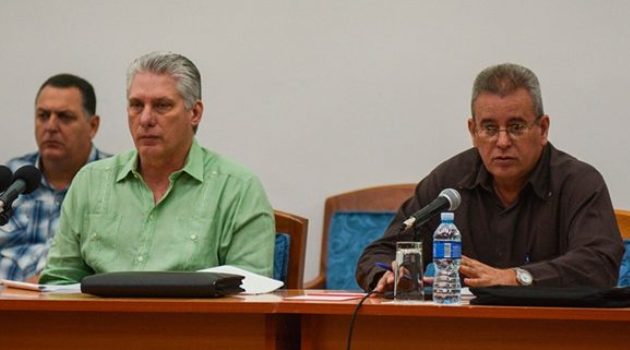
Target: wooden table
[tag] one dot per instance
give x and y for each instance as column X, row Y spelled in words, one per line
column 31, row 320
column 385, row 325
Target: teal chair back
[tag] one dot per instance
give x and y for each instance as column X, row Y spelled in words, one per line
column 281, row 255
column 623, row 221
column 624, row 270
column 351, row 221
column 349, row 234
column 290, row 249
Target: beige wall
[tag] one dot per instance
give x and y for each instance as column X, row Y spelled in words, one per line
column 348, row 93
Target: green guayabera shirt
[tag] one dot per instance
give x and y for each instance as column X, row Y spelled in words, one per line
column 214, row 213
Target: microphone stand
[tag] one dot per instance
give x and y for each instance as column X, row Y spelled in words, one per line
column 5, row 216
column 416, row 229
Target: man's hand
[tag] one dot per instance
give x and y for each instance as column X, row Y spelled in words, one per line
column 481, row 275
column 386, row 283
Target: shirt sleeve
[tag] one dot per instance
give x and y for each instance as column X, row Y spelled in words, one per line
column 591, row 245
column 253, row 231
column 65, row 264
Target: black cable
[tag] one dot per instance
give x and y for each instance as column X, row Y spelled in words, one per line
column 354, row 317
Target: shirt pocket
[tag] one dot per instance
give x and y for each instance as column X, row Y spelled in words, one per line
column 102, row 245
column 197, row 242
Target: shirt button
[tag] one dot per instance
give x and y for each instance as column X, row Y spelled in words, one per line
column 140, row 259
column 193, row 237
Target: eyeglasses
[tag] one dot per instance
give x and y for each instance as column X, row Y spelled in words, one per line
column 514, row 130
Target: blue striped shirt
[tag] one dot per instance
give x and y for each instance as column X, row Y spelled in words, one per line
column 26, row 238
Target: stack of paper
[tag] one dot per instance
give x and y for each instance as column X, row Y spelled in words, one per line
column 252, row 283
column 68, row 288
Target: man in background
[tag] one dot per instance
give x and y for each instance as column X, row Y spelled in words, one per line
column 530, row 214
column 169, row 204
column 65, row 125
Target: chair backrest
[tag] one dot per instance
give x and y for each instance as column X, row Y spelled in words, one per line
column 623, row 221
column 351, row 221
column 295, row 228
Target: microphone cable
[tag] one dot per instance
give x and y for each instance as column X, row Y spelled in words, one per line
column 354, row 317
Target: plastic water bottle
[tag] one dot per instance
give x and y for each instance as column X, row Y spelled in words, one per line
column 447, row 255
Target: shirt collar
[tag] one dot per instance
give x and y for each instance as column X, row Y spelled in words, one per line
column 44, row 181
column 194, row 163
column 538, row 178
column 193, row 166
column 479, row 178
column 94, row 154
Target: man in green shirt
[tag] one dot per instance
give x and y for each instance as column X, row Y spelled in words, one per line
column 169, row 204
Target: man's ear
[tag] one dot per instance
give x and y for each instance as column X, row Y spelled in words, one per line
column 197, row 112
column 472, row 126
column 544, row 123
column 94, row 121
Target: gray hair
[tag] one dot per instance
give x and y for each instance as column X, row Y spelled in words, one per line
column 504, row 79
column 185, row 73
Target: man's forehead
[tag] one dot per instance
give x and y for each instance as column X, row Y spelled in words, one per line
column 153, row 79
column 51, row 97
column 147, row 84
column 516, row 105
column 520, row 93
column 70, row 91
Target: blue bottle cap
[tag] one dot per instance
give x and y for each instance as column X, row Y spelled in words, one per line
column 448, row 216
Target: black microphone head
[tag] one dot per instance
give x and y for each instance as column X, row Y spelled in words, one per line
column 6, row 177
column 452, row 196
column 31, row 177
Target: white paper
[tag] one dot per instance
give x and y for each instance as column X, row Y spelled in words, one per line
column 69, row 288
column 326, row 296
column 252, row 283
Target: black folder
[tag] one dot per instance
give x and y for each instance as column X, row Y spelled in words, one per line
column 162, row 284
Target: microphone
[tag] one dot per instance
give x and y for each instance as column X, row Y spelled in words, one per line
column 25, row 180
column 447, row 199
column 6, row 177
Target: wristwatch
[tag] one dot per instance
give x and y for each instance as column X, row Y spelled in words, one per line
column 523, row 277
